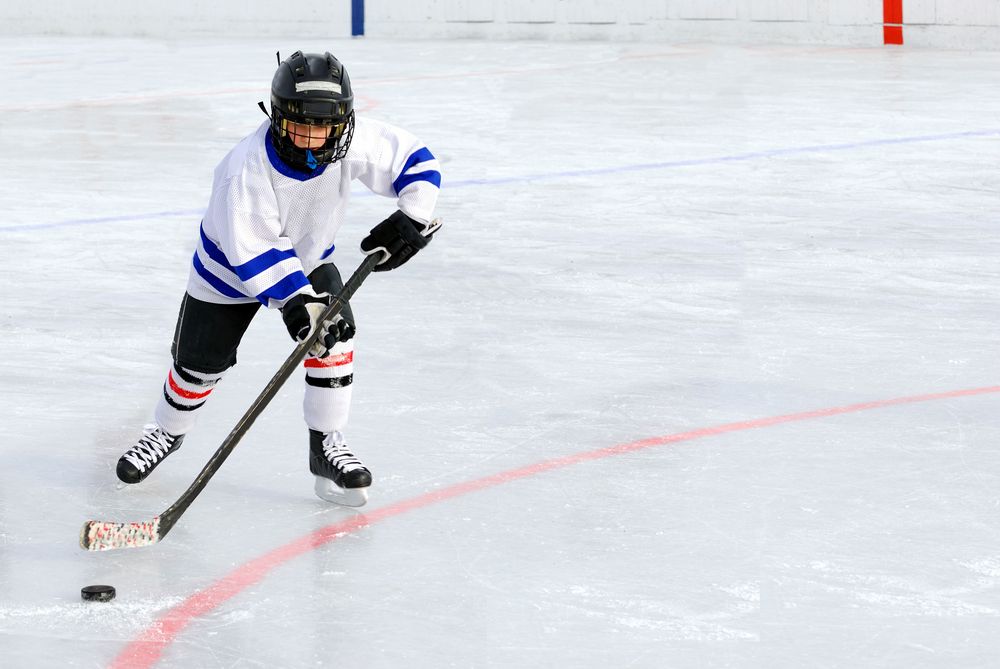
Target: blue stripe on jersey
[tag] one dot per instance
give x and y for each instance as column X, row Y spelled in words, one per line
column 250, row 268
column 328, row 252
column 283, row 167
column 264, row 261
column 418, row 156
column 284, row 288
column 404, row 180
column 213, row 251
column 215, row 282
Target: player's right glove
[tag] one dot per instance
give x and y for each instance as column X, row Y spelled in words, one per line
column 301, row 315
column 397, row 238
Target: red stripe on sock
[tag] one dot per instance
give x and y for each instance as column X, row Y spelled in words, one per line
column 331, row 360
column 186, row 394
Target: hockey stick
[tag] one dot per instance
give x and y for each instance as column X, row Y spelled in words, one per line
column 99, row 535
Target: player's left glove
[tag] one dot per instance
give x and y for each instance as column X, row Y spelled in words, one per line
column 397, row 238
column 302, row 314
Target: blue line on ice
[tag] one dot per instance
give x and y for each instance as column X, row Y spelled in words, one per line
column 527, row 178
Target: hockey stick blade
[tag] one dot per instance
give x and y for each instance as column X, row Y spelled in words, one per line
column 104, row 535
column 99, row 535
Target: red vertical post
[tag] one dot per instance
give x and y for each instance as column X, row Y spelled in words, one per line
column 892, row 21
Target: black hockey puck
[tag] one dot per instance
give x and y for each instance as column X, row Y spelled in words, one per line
column 98, row 593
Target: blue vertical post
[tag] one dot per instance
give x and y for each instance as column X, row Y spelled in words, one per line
column 357, row 18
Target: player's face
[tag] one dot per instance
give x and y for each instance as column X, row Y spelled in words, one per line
column 308, row 136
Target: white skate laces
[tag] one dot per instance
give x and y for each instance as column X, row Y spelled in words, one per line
column 153, row 446
column 336, row 453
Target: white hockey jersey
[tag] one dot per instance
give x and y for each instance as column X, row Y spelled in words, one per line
column 269, row 225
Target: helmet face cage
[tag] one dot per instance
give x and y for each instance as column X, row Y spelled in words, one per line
column 311, row 101
column 338, row 134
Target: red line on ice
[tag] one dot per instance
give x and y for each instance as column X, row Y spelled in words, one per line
column 146, row 649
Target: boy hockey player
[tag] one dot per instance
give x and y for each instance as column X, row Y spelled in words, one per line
column 267, row 238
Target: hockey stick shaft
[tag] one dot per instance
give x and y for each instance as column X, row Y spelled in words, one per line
column 97, row 535
column 170, row 516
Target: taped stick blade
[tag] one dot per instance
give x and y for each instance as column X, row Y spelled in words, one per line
column 98, row 535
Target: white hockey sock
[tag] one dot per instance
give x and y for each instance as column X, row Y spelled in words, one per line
column 184, row 392
column 327, row 402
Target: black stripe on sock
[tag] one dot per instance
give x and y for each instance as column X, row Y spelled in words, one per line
column 334, row 382
column 179, row 407
column 191, row 378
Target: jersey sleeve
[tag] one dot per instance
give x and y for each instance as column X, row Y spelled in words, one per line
column 397, row 164
column 242, row 245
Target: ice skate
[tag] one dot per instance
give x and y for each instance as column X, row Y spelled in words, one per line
column 153, row 447
column 340, row 476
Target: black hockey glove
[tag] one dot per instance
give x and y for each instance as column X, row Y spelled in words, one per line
column 397, row 238
column 301, row 315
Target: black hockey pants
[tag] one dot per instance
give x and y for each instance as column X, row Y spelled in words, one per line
column 207, row 335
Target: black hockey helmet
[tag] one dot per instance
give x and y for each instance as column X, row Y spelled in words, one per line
column 311, row 89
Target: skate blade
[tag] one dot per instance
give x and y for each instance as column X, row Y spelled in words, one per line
column 329, row 491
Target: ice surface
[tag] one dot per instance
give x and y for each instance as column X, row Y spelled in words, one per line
column 640, row 240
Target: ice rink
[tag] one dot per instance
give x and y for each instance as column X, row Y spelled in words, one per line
column 702, row 370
